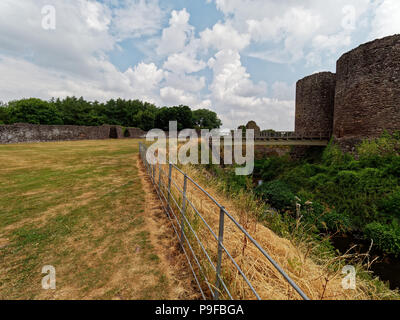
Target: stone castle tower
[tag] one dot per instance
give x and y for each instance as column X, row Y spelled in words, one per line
column 315, row 98
column 361, row 101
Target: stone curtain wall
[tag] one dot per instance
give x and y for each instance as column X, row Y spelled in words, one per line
column 40, row 133
column 116, row 132
column 19, row 133
column 135, row 133
column 315, row 98
column 367, row 100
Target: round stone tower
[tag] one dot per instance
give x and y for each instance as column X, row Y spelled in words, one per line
column 315, row 97
column 253, row 125
column 367, row 98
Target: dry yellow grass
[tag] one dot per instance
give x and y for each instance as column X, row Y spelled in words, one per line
column 84, row 208
column 317, row 280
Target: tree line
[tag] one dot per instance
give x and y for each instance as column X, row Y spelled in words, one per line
column 126, row 113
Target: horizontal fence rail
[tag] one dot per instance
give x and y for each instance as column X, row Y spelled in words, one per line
column 190, row 226
column 293, row 136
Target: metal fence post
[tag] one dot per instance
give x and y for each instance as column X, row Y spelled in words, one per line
column 159, row 176
column 219, row 262
column 169, row 185
column 183, row 208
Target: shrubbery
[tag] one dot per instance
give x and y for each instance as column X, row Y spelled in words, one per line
column 277, row 194
column 390, row 205
column 386, row 237
column 347, row 191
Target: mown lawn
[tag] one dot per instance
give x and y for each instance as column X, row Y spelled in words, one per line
column 78, row 206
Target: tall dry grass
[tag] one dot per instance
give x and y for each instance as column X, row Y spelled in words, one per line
column 319, row 277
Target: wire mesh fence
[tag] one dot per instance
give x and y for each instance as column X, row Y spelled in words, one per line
column 218, row 267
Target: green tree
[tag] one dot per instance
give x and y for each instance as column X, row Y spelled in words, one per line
column 33, row 111
column 145, row 120
column 206, row 119
column 182, row 114
column 128, row 113
column 3, row 113
column 75, row 111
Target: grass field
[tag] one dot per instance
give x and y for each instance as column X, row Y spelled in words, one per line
column 81, row 207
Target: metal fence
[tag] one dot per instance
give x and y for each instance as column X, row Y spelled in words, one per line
column 206, row 262
column 267, row 135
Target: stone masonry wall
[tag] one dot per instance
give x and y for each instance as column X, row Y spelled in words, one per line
column 367, row 99
column 315, row 96
column 135, row 133
column 19, row 133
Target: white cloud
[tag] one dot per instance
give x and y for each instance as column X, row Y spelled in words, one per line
column 224, row 36
column 145, row 75
column 387, row 19
column 137, row 18
column 231, row 78
column 331, row 43
column 238, row 99
column 313, row 59
column 144, row 81
column 283, row 91
column 97, row 16
column 176, row 36
column 284, row 30
column 25, row 79
column 81, row 33
column 295, row 22
column 185, row 82
column 71, row 60
column 74, row 59
column 184, row 62
column 173, row 96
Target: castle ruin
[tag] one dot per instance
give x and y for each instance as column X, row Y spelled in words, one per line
column 360, row 101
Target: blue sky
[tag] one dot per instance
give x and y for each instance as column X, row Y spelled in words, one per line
column 240, row 58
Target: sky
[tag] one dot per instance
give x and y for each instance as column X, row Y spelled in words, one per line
column 239, row 58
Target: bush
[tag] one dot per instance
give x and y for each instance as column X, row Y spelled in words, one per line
column 385, row 237
column 320, row 180
column 335, row 221
column 334, row 157
column 390, row 205
column 372, row 181
column 355, row 190
column 325, row 219
column 347, row 179
column 235, row 182
column 270, row 168
column 392, row 167
column 298, row 177
column 375, row 153
column 353, row 165
column 277, row 194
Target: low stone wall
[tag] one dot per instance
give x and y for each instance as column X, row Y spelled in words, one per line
column 19, row 133
column 116, row 132
column 134, row 133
